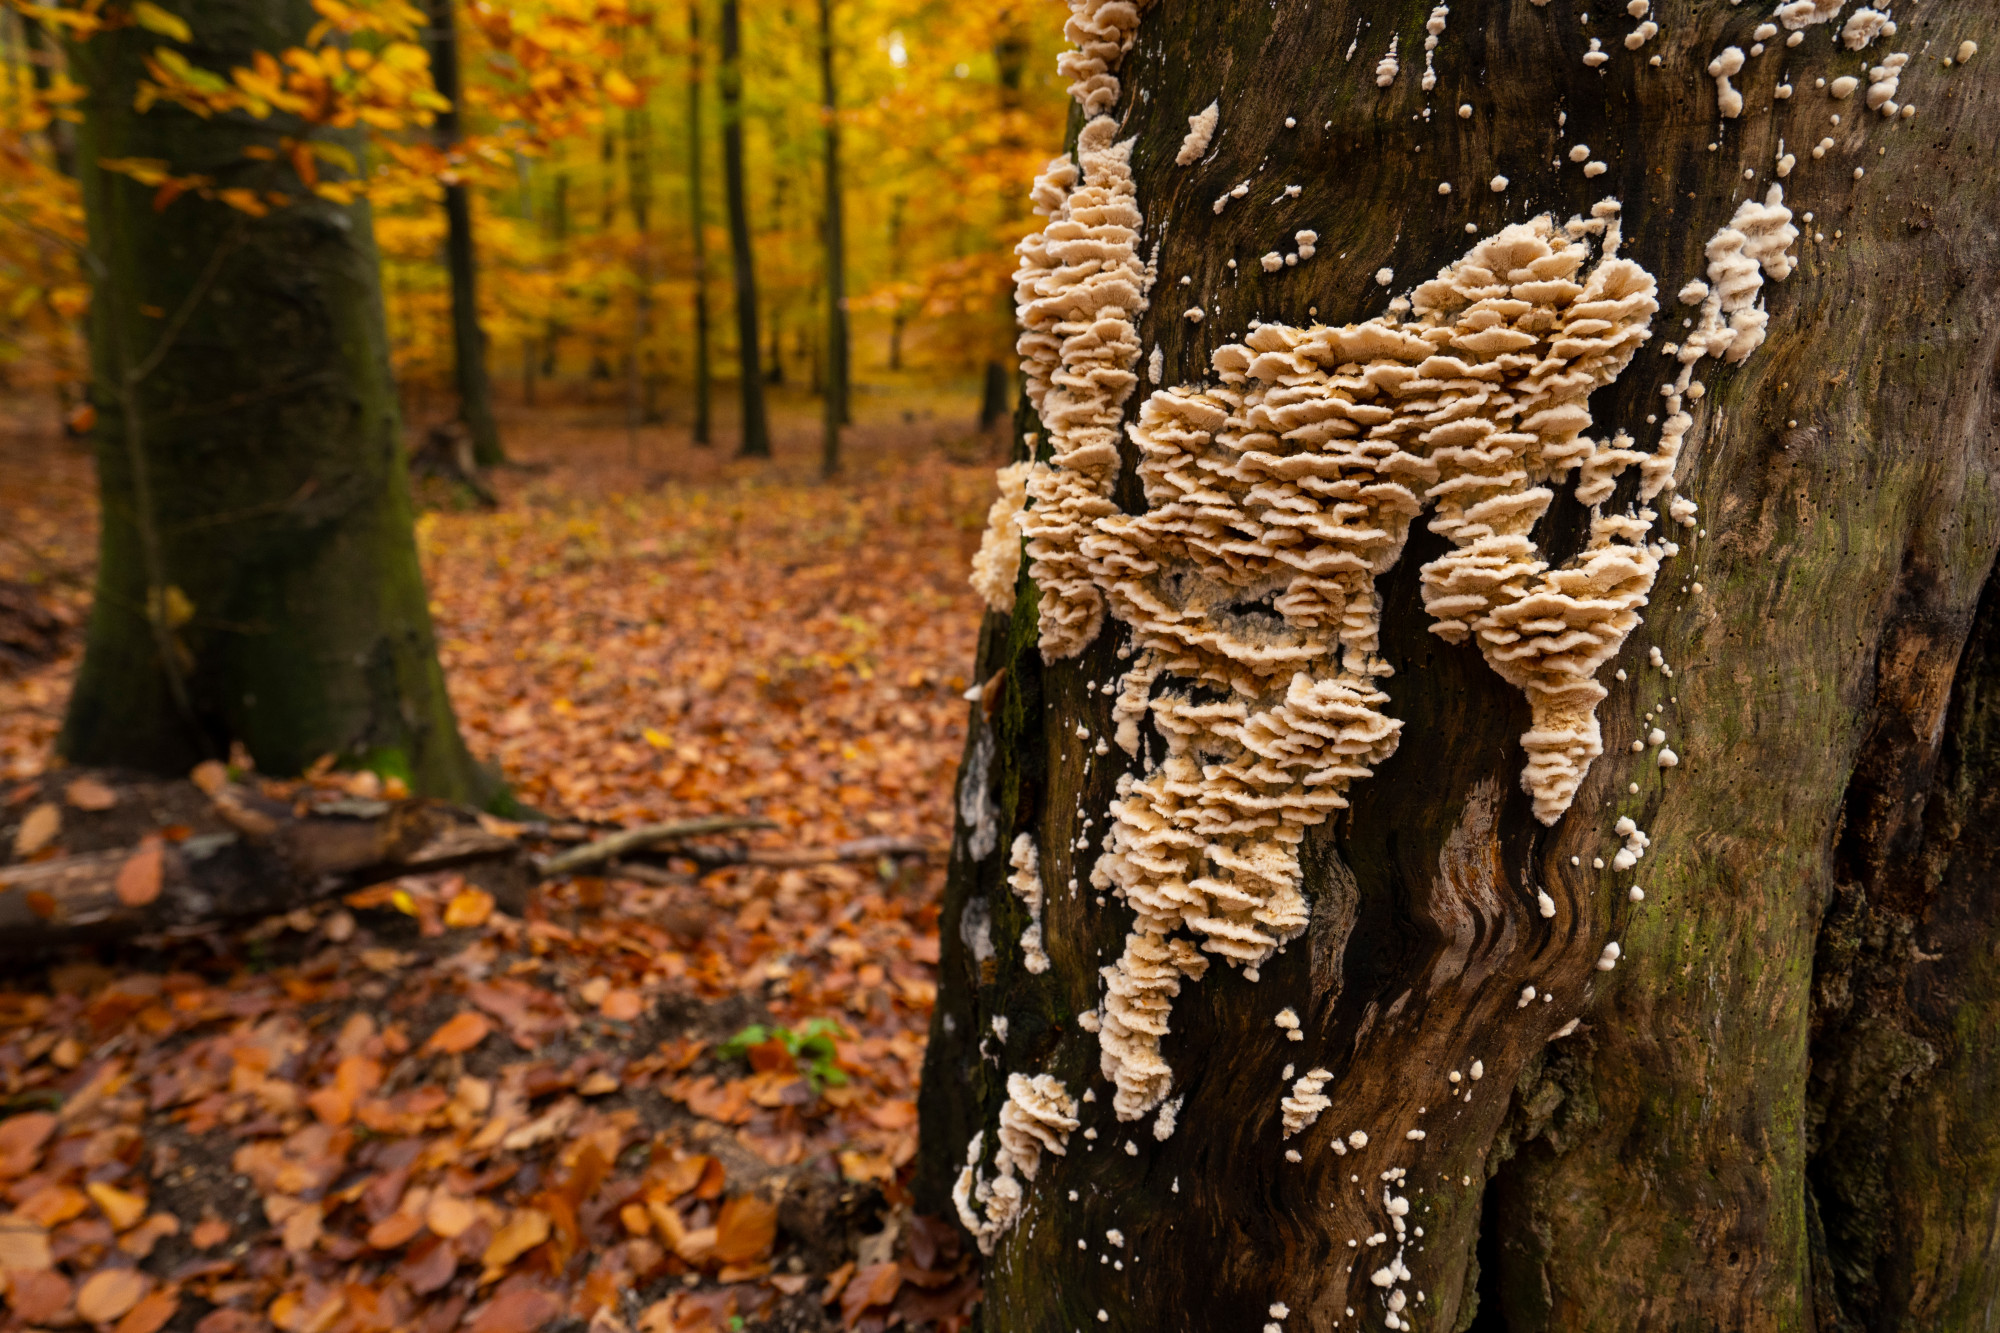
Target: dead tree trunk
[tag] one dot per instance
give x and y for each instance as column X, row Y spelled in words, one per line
column 1480, row 813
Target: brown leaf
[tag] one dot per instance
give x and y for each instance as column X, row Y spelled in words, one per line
column 209, row 1233
column 41, row 826
column 527, row 1228
column 428, row 1267
column 21, row 1140
column 109, row 1293
column 90, row 794
column 520, row 1311
column 24, row 1244
column 139, row 879
column 745, row 1229
column 449, row 1215
column 770, row 1056
column 122, row 1208
column 460, row 1033
column 38, row 1296
column 621, row 1006
column 874, row 1285
column 895, row 1113
column 151, row 1314
column 140, row 1240
column 395, row 1230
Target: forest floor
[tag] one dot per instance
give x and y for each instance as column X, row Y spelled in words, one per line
column 411, row 1110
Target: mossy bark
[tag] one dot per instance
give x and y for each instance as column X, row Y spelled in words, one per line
column 258, row 578
column 1775, row 1112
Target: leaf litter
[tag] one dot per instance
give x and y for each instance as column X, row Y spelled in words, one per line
column 676, row 1096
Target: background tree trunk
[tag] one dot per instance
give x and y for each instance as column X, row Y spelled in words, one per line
column 697, row 226
column 639, row 390
column 756, row 441
column 836, row 412
column 468, row 339
column 257, row 577
column 1775, row 1112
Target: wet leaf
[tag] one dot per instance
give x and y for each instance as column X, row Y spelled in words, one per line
column 109, row 1293
column 459, row 1034
column 745, row 1229
column 40, row 827
column 139, row 879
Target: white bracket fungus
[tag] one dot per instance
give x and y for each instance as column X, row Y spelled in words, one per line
column 1387, row 68
column 1038, row 1116
column 1201, row 129
column 1883, row 81
column 1864, row 25
column 997, row 563
column 1728, row 99
column 1026, row 881
column 1306, row 1102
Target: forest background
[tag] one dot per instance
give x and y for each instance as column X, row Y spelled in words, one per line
column 680, row 1092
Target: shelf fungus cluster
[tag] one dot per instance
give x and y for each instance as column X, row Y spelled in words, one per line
column 1275, row 498
column 1038, row 1116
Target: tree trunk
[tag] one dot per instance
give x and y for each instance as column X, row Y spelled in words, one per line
column 468, row 339
column 1634, row 831
column 257, row 577
column 697, row 226
column 756, row 441
column 639, row 171
column 836, row 412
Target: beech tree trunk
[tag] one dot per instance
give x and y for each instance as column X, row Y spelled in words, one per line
column 836, row 414
column 756, row 438
column 468, row 339
column 1772, row 1110
column 697, row 226
column 257, row 576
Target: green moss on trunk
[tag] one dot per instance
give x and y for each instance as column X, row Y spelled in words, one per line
column 258, row 578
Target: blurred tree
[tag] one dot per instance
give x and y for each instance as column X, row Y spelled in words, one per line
column 756, row 435
column 836, row 271
column 697, row 226
column 468, row 339
column 258, row 579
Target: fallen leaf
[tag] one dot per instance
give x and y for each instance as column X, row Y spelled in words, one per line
column 52, row 1205
column 39, row 828
column 140, row 1240
column 895, row 1113
column 139, row 879
column 745, row 1229
column 303, row 1228
column 151, row 1314
column 121, row 1208
column 21, row 1140
column 875, row 1285
column 38, row 1296
column 622, row 1006
column 523, row 1231
column 395, row 1230
column 449, row 1215
column 460, row 1034
column 468, row 908
column 209, row 1233
column 769, row 1056
column 521, row 1311
column 109, row 1293
column 24, row 1244
column 791, row 1284
column 211, row 776
column 90, row 794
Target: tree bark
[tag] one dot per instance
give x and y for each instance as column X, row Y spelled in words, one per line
column 468, row 339
column 1772, row 1109
column 835, row 413
column 639, row 391
column 257, row 578
column 697, row 227
column 756, row 438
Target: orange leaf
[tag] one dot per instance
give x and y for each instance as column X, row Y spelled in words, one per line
column 468, row 908
column 770, row 1056
column 140, row 877
column 622, row 1006
column 394, row 1231
column 109, row 1293
column 874, row 1285
column 460, row 1034
column 90, row 794
column 121, row 1207
column 449, row 1215
column 150, row 1315
column 21, row 1140
column 41, row 826
column 520, row 1311
column 24, row 1245
column 526, row 1229
column 38, row 1297
column 745, row 1229
column 209, row 1233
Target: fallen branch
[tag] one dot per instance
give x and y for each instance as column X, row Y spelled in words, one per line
column 708, row 859
column 638, row 839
